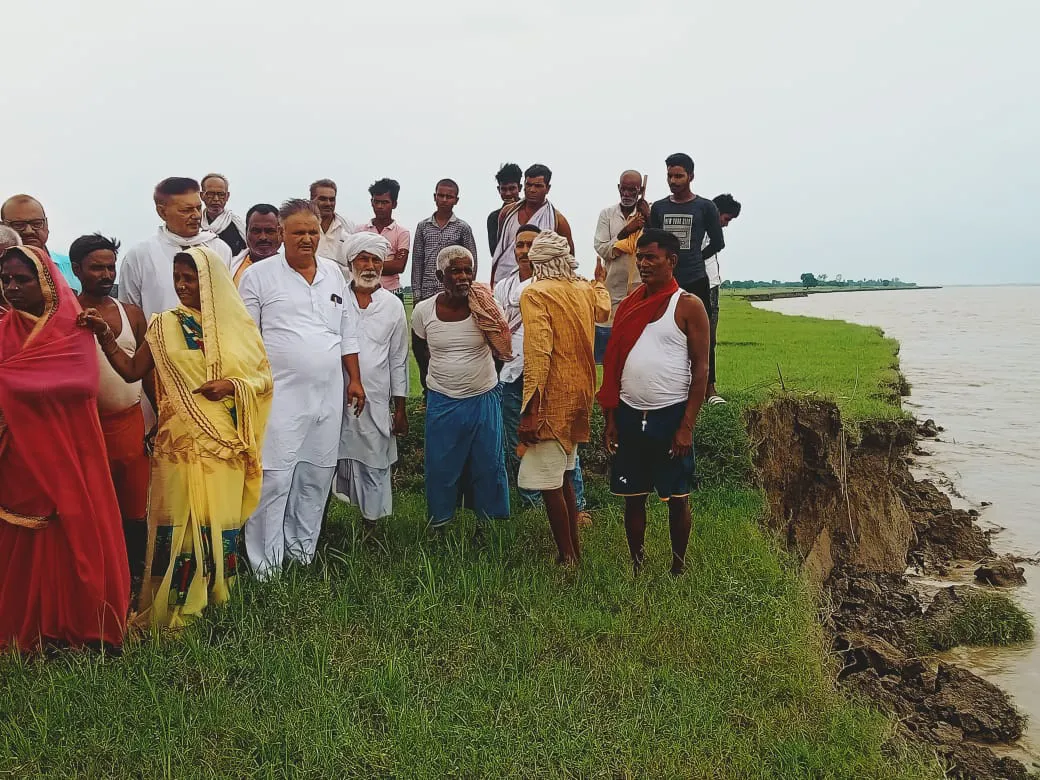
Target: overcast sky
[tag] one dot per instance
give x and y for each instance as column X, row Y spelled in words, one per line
column 896, row 139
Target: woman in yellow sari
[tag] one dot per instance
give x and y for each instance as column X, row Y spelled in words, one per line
column 213, row 391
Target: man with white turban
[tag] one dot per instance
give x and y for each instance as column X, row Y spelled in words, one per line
column 368, row 444
column 559, row 311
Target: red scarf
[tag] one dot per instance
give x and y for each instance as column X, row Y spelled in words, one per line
column 633, row 315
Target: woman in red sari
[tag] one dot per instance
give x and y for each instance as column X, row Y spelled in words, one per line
column 63, row 572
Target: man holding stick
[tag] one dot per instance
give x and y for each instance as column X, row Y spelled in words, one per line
column 616, row 223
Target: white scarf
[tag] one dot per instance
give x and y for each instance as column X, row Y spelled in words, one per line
column 504, row 261
column 221, row 223
column 182, row 242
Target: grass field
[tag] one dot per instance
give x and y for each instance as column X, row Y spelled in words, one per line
column 422, row 658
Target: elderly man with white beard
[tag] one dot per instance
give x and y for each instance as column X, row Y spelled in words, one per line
column 368, row 444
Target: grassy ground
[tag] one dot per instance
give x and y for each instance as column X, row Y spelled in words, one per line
column 761, row 351
column 417, row 658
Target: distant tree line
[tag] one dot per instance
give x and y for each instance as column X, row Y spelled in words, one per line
column 808, row 280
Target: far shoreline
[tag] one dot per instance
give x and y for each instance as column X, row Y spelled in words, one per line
column 773, row 296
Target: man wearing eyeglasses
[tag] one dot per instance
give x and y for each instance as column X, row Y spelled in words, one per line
column 25, row 215
column 217, row 217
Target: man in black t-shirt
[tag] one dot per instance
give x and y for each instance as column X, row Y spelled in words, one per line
column 508, row 178
column 689, row 217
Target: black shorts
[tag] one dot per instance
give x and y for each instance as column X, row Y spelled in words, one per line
column 642, row 464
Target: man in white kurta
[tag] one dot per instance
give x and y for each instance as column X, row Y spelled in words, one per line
column 299, row 302
column 368, row 443
column 146, row 273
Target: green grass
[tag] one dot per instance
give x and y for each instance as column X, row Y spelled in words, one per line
column 981, row 619
column 417, row 658
column 760, row 352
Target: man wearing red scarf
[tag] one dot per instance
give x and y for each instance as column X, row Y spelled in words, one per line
column 654, row 375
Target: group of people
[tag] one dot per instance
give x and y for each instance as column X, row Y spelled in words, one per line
column 248, row 370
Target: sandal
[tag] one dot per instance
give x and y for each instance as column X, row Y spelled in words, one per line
column 716, row 399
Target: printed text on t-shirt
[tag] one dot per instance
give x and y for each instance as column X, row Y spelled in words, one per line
column 681, row 226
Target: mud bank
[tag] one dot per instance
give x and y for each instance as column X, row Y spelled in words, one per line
column 847, row 504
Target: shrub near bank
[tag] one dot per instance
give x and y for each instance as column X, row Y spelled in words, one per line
column 424, row 659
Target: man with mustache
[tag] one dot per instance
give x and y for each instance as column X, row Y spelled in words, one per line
column 217, row 217
column 263, row 239
column 368, row 443
column 334, row 227
column 93, row 261
column 534, row 209
column 689, row 218
column 456, row 337
column 654, row 375
column 146, row 276
column 615, row 223
column 25, row 215
column 298, row 299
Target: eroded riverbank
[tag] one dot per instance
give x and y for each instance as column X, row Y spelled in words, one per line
column 847, row 505
column 971, row 356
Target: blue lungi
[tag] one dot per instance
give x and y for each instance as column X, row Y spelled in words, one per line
column 464, row 437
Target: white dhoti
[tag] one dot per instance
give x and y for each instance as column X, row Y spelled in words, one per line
column 366, row 488
column 367, row 446
column 306, row 331
column 287, row 521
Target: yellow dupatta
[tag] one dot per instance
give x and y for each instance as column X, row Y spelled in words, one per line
column 234, row 350
column 207, row 472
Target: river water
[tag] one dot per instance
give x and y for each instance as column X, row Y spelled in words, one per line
column 972, row 357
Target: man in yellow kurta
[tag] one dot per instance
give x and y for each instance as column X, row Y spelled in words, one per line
column 559, row 311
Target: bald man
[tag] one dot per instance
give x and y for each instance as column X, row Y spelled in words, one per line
column 617, row 222
column 25, row 215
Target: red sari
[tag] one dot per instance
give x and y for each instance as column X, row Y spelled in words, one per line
column 63, row 569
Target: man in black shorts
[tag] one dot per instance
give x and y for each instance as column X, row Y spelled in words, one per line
column 654, row 376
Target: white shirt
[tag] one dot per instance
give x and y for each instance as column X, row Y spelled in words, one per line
column 146, row 274
column 331, row 243
column 306, row 328
column 507, row 294
column 620, row 268
column 383, row 338
column 711, row 265
column 461, row 365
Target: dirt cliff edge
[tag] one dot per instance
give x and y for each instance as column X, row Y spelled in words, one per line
column 849, row 508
